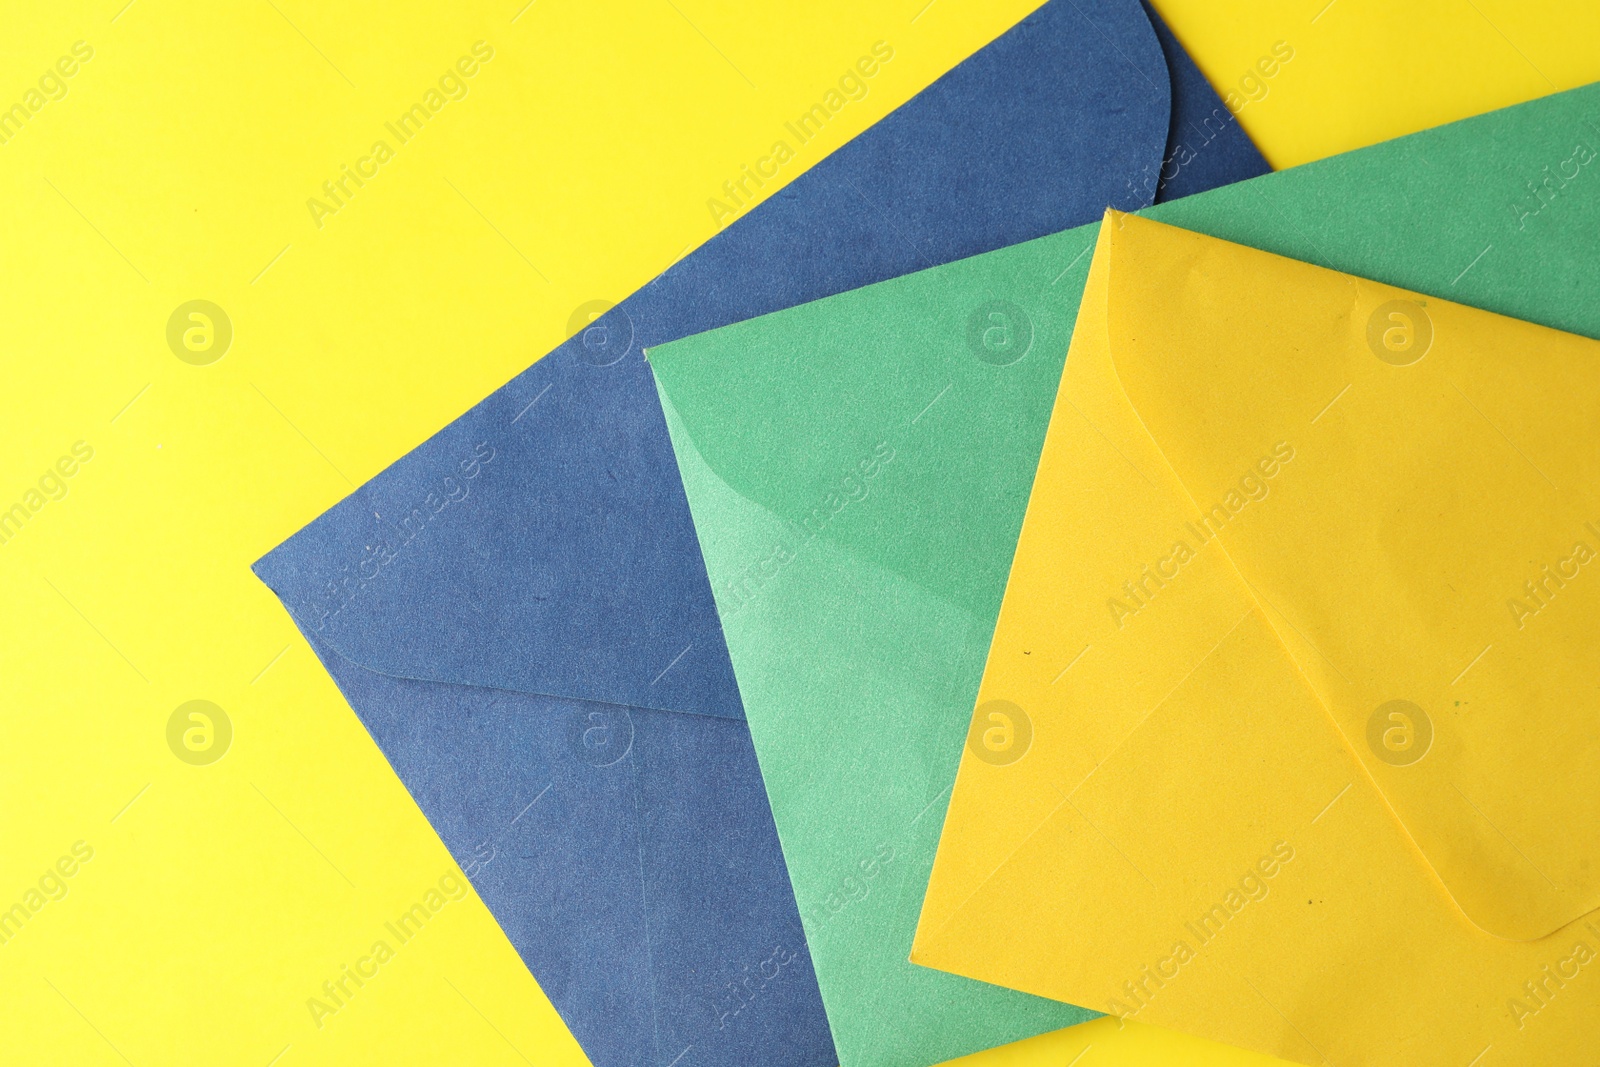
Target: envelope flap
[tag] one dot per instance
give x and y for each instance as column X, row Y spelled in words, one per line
column 1407, row 486
column 536, row 544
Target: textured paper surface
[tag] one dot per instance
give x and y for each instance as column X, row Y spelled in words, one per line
column 856, row 499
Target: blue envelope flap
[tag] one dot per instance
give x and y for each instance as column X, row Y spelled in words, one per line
column 1206, row 146
column 536, row 544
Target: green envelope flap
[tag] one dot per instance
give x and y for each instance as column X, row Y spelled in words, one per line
column 858, row 563
column 825, row 437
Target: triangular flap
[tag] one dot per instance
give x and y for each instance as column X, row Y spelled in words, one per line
column 1429, row 465
column 536, row 544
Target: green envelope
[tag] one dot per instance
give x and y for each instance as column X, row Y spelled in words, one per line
column 858, row 469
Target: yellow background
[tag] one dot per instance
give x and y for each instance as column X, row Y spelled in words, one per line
column 1367, row 70
column 177, row 167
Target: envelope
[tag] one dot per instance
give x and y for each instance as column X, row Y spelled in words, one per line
column 1424, row 565
column 518, row 610
column 858, row 470
column 1165, row 723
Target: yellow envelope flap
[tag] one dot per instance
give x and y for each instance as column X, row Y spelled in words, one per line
column 1189, row 840
column 1409, row 487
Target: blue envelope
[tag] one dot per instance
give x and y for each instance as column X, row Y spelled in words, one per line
column 519, row 613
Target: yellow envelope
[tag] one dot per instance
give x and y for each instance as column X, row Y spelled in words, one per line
column 1206, row 832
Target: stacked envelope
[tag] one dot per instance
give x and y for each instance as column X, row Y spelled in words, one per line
column 932, row 614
